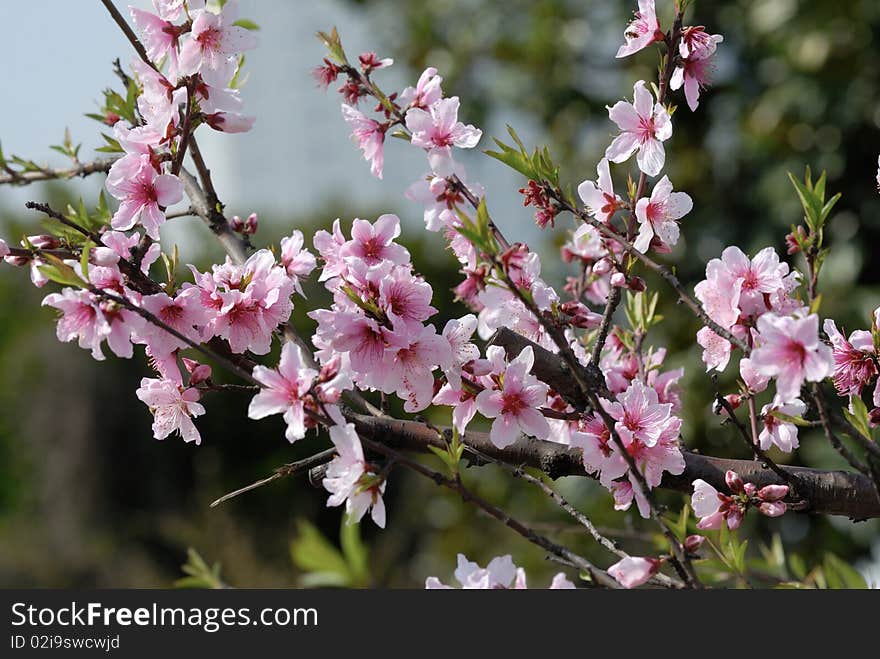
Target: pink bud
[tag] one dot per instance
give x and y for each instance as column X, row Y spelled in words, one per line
column 637, row 284
column 103, row 256
column 633, row 571
column 692, row 543
column 734, row 482
column 17, row 260
column 44, row 241
column 772, row 492
column 602, row 266
column 251, row 224
column 198, row 373
column 618, row 280
column 772, row 508
column 734, row 518
column 712, row 522
column 237, row 224
column 750, row 488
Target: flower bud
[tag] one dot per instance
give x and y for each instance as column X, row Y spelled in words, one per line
column 43, row 241
column 692, row 543
column 772, row 492
column 772, row 508
column 251, row 224
column 734, row 518
column 602, row 266
column 198, row 373
column 734, row 482
column 103, row 256
column 749, row 489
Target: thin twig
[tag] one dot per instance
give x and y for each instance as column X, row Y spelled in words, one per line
column 99, row 166
column 599, row 576
column 289, row 469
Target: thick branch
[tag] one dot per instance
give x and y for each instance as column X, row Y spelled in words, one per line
column 828, row 492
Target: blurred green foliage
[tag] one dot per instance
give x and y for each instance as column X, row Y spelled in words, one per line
column 89, row 498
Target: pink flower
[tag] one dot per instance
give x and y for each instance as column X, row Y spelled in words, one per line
column 514, row 404
column 371, row 62
column 182, row 313
column 81, row 319
column 438, row 129
column 173, row 408
column 285, row 389
column 854, row 364
column 777, row 432
column 633, row 571
column 463, row 403
column 170, row 10
column 229, row 122
column 594, row 439
column 625, row 492
column 159, row 36
column 426, row 92
column 639, row 414
column 789, row 350
column 246, row 302
column 657, row 215
column 499, row 574
column 694, row 75
column 458, row 333
column 696, row 49
column 404, row 297
column 122, row 244
column 644, row 126
column 296, row 261
column 706, row 502
column 756, row 382
column 373, row 243
column 642, row 31
column 369, row 135
column 599, row 197
column 410, row 359
column 350, row 480
column 214, row 42
column 142, row 190
column 761, row 276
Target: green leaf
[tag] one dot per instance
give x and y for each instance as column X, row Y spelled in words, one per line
column 246, row 24
column 840, row 574
column 356, row 553
column 858, row 417
column 199, row 574
column 785, row 418
column 84, row 259
column 312, row 552
column 58, row 271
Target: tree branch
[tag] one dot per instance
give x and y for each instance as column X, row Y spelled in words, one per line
column 828, row 492
column 99, row 166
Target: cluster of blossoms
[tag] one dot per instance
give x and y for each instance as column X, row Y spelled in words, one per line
column 755, row 300
column 644, row 413
column 855, row 362
column 376, row 335
column 714, row 508
column 195, row 55
column 499, row 574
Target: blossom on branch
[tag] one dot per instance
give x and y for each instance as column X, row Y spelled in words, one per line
column 644, row 126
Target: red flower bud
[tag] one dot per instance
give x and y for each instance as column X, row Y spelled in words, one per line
column 692, row 543
column 734, row 482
